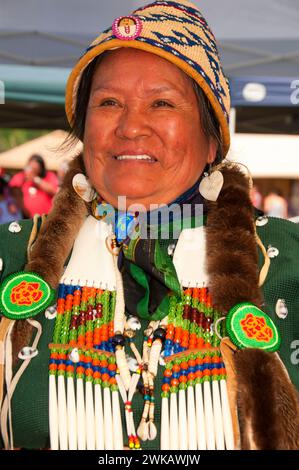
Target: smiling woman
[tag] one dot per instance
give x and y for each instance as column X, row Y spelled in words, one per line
column 166, row 327
column 143, row 129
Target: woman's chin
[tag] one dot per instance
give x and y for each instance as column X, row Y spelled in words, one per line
column 133, row 190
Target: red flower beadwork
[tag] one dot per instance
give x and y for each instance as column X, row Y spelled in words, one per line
column 256, row 328
column 26, row 293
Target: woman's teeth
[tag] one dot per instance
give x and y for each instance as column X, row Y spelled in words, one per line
column 135, row 157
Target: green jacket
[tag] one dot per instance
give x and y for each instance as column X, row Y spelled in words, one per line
column 30, row 399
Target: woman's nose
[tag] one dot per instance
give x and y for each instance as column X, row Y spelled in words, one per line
column 133, row 124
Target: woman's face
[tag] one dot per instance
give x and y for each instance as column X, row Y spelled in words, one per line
column 143, row 137
column 32, row 169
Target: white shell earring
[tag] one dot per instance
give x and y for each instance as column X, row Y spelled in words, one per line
column 83, row 187
column 211, row 185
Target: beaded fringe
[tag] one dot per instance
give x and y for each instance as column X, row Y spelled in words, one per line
column 85, row 384
column 196, row 415
column 195, row 407
column 84, row 410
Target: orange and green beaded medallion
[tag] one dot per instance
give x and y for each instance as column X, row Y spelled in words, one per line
column 249, row 327
column 24, row 295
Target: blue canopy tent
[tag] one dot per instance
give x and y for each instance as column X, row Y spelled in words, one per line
column 41, row 40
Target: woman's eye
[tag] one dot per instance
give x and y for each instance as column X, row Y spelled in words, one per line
column 108, row 103
column 162, row 104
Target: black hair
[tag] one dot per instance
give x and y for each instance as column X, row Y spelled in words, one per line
column 42, row 166
column 83, row 93
column 209, row 122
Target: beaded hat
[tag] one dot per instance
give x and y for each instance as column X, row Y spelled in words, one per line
column 176, row 31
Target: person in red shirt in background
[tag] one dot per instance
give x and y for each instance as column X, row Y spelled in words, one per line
column 38, row 187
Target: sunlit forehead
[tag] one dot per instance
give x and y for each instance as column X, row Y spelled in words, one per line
column 138, row 73
column 141, row 89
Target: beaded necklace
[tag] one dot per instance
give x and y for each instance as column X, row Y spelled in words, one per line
column 88, row 371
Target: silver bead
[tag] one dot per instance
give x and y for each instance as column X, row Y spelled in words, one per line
column 281, row 309
column 133, row 323
column 131, row 326
column 1, row 264
column 262, row 220
column 14, row 227
column 51, row 312
column 272, row 252
column 27, row 352
column 74, row 355
column 132, row 363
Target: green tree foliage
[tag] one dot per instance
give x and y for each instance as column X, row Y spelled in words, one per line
column 10, row 138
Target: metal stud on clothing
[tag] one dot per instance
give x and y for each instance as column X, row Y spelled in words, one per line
column 14, row 227
column 281, row 309
column 262, row 220
column 51, row 312
column 272, row 252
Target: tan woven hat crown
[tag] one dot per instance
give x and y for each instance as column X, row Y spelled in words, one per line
column 176, row 31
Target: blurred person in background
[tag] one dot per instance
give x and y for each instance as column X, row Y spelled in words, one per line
column 275, row 204
column 256, row 197
column 35, row 187
column 9, row 210
column 294, row 200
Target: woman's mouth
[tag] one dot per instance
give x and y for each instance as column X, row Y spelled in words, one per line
column 143, row 158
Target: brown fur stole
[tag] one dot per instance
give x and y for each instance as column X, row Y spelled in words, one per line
column 56, row 237
column 267, row 402
column 266, row 398
column 232, row 260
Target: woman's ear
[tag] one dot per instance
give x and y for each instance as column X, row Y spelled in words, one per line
column 212, row 151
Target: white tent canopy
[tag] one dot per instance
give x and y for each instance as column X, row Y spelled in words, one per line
column 48, row 146
column 267, row 156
